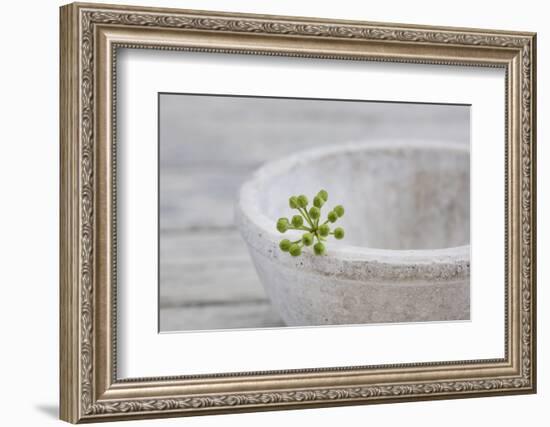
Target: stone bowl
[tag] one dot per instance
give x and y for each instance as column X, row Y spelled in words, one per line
column 406, row 253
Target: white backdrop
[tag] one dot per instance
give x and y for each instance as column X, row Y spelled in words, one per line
column 29, row 171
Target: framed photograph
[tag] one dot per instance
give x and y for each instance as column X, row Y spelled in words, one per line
column 266, row 212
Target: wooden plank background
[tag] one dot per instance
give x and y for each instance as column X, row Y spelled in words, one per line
column 208, row 147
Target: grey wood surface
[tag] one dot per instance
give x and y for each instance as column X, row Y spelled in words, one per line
column 208, row 147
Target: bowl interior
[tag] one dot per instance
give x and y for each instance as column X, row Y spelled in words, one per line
column 396, row 197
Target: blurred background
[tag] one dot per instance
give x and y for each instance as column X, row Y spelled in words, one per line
column 208, row 146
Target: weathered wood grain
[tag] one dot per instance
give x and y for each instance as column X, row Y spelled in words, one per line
column 189, row 318
column 207, row 267
column 231, row 131
column 199, row 198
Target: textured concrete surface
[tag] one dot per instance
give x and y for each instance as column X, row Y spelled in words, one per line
column 406, row 255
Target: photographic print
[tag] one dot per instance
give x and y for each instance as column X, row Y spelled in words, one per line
column 278, row 212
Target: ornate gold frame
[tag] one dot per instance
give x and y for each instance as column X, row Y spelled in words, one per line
column 90, row 36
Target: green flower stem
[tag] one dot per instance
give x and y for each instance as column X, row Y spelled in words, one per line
column 304, row 213
column 319, row 238
column 301, row 210
column 309, row 218
column 299, row 228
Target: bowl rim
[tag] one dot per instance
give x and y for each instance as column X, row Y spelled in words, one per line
column 248, row 212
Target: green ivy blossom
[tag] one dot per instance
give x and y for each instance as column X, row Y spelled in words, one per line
column 309, row 221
